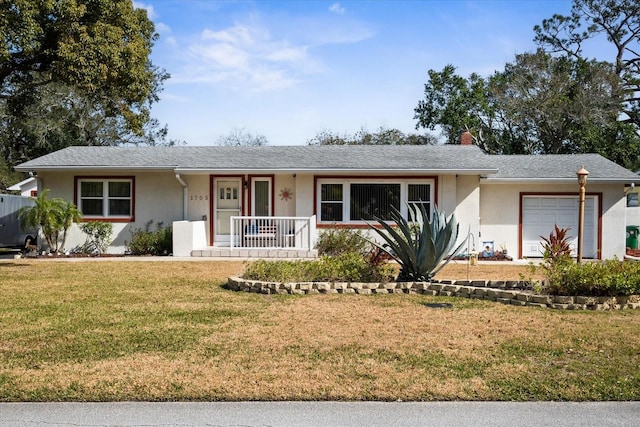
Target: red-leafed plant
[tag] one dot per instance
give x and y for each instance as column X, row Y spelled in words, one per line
column 556, row 246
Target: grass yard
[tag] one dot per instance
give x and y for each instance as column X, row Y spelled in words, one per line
column 118, row 330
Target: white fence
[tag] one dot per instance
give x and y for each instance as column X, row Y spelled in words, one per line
column 286, row 232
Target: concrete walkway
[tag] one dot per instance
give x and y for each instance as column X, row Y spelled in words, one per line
column 366, row 414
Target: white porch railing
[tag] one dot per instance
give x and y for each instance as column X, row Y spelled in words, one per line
column 287, row 232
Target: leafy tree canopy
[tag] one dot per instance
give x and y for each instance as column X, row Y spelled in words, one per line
column 549, row 101
column 619, row 22
column 75, row 73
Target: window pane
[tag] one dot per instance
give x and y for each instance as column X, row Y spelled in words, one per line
column 119, row 207
column 261, row 198
column 91, row 189
column 331, row 212
column 119, row 189
column 368, row 200
column 331, row 193
column 92, row 207
column 419, row 193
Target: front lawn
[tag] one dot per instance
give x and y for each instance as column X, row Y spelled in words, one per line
column 120, row 330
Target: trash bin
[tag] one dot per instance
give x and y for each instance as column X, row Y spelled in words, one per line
column 632, row 236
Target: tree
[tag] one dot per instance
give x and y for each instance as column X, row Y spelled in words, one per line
column 84, row 66
column 619, row 22
column 382, row 136
column 8, row 177
column 238, row 137
column 453, row 103
column 553, row 104
column 53, row 216
column 539, row 104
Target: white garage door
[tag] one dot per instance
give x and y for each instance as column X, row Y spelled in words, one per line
column 541, row 213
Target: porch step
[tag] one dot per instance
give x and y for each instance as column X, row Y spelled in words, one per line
column 254, row 253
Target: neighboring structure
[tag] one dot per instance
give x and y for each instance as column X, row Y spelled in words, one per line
column 28, row 187
column 281, row 196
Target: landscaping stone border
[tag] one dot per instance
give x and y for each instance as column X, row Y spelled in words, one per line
column 506, row 292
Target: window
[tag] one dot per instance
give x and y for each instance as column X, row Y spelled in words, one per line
column 105, row 198
column 632, row 200
column 261, row 191
column 331, row 202
column 359, row 200
column 373, row 200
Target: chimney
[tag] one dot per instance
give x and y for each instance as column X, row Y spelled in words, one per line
column 466, row 138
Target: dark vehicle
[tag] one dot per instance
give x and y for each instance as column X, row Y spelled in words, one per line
column 11, row 233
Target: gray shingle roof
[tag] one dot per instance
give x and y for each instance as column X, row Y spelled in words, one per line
column 343, row 158
column 558, row 167
column 269, row 158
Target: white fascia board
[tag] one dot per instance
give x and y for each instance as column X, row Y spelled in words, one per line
column 193, row 171
column 97, row 168
column 486, row 180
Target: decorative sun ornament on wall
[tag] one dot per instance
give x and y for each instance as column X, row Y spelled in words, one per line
column 286, row 194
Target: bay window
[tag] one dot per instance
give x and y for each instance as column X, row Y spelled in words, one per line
column 358, row 200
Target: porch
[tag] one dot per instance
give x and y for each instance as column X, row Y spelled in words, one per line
column 249, row 237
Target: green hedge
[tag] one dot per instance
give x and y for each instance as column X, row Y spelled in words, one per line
column 346, row 267
column 606, row 278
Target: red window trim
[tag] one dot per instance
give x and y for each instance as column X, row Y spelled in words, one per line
column 76, row 196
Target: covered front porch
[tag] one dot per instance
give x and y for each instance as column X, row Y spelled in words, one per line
column 249, row 237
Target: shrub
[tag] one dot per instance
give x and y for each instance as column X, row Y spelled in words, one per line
column 606, row 278
column 98, row 236
column 148, row 242
column 336, row 241
column 346, row 267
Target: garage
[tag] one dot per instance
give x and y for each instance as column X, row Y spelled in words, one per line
column 541, row 213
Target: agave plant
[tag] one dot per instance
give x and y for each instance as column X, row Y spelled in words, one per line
column 421, row 248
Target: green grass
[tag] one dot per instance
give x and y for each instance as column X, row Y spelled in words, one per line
column 117, row 330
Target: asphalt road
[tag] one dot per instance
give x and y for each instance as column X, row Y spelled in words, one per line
column 276, row 414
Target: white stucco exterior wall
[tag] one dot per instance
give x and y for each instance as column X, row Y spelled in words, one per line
column 304, row 195
column 284, row 207
column 158, row 198
column 468, row 208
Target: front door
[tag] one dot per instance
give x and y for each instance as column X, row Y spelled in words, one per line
column 227, row 203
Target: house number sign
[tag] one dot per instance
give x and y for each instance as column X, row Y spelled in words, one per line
column 198, row 197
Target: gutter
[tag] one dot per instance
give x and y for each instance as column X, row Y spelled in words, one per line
column 334, row 171
column 185, row 196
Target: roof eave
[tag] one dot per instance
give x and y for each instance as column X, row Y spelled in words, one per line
column 432, row 171
column 495, row 180
column 93, row 167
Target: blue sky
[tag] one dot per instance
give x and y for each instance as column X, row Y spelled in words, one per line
column 290, row 69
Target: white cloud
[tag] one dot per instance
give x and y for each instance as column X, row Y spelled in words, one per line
column 263, row 54
column 337, row 8
column 151, row 14
column 246, row 57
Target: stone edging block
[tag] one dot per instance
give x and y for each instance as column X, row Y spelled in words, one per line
column 510, row 292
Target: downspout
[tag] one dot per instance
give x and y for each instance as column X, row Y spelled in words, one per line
column 185, row 196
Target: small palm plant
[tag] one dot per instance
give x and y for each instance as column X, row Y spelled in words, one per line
column 421, row 248
column 53, row 216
